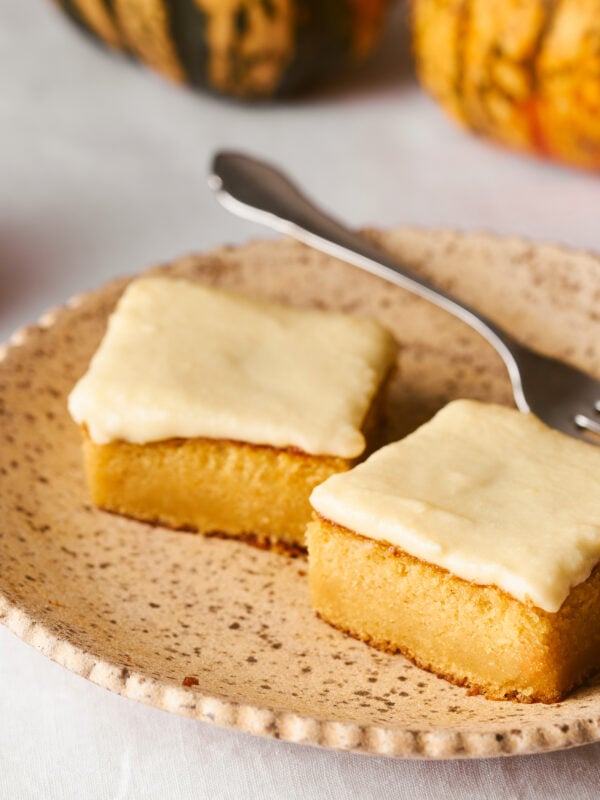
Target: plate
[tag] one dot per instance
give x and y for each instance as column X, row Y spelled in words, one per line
column 223, row 632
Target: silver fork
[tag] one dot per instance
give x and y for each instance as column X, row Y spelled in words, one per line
column 560, row 395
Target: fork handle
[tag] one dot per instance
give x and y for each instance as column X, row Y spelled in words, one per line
column 259, row 192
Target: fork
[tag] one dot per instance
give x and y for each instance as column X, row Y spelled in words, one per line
column 562, row 396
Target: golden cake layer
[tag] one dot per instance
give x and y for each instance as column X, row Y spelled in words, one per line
column 210, row 486
column 472, row 546
column 475, row 636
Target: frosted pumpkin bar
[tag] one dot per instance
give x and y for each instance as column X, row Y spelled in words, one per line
column 218, row 413
column 472, row 546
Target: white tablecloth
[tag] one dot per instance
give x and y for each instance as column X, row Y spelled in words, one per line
column 102, row 172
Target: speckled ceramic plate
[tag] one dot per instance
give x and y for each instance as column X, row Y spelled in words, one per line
column 223, row 632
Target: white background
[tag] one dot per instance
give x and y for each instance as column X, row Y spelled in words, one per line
column 102, row 172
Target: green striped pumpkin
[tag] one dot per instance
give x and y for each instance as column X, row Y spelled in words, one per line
column 243, row 48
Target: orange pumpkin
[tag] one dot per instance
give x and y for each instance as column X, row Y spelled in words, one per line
column 524, row 72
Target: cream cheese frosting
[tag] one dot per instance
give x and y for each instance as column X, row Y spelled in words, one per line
column 486, row 492
column 180, row 359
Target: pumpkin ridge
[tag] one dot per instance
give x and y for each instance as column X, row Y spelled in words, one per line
column 100, row 20
column 74, row 15
column 144, row 25
column 460, row 77
column 188, row 26
column 250, row 44
column 323, row 37
column 439, row 30
column 532, row 109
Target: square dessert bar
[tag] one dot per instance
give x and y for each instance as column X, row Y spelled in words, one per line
column 472, row 546
column 219, row 413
